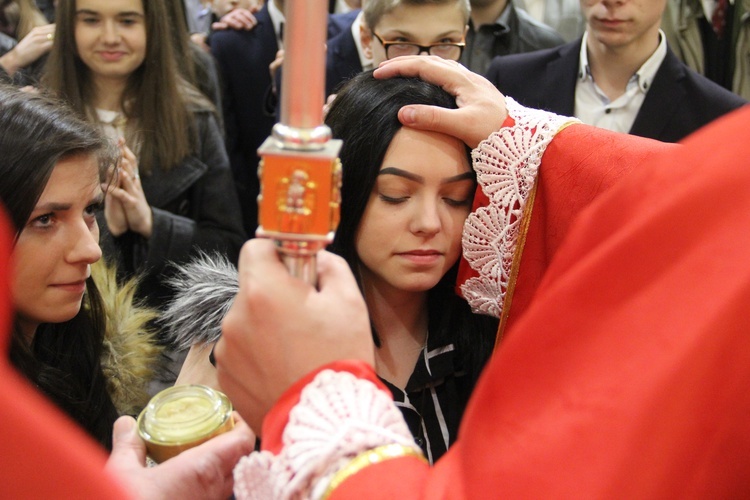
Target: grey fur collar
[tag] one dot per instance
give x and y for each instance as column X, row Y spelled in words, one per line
column 205, row 290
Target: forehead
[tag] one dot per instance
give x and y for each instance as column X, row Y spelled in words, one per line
column 429, row 152
column 74, row 179
column 443, row 18
column 110, row 6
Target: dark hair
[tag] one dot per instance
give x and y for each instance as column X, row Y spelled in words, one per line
column 157, row 99
column 63, row 360
column 365, row 116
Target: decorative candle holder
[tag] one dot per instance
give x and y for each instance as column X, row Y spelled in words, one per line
column 298, row 206
column 181, row 417
column 300, row 173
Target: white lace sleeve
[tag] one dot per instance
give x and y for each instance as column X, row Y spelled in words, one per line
column 506, row 163
column 338, row 417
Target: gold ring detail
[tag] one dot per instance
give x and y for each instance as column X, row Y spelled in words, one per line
column 49, row 36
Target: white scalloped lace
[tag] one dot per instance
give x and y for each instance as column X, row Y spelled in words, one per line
column 338, row 417
column 506, row 163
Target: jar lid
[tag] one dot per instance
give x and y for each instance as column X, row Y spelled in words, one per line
column 183, row 414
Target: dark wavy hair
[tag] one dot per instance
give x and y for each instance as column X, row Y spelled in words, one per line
column 63, row 360
column 365, row 116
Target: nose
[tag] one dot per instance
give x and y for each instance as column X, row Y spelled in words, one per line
column 110, row 34
column 84, row 244
column 426, row 218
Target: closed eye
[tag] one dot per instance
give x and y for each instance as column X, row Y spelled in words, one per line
column 457, row 203
column 391, row 200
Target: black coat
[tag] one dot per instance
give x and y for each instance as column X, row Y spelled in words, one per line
column 679, row 101
column 342, row 56
column 244, row 57
column 195, row 208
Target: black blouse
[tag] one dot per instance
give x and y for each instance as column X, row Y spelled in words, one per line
column 435, row 398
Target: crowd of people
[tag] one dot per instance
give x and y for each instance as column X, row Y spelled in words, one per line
column 531, row 291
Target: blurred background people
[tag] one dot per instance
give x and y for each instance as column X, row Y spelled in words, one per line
column 563, row 16
column 498, row 28
column 713, row 38
column 25, row 38
column 621, row 75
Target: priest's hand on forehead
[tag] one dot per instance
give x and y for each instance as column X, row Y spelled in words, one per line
column 481, row 106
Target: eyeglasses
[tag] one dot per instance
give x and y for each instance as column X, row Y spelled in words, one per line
column 446, row 50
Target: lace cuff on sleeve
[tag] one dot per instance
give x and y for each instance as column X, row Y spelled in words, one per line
column 338, row 417
column 506, row 163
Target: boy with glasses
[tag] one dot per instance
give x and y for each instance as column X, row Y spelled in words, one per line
column 385, row 29
column 393, row 28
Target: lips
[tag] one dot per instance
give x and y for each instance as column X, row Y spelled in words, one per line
column 610, row 23
column 422, row 257
column 112, row 56
column 73, row 286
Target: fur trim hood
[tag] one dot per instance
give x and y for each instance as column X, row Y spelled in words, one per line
column 204, row 290
column 130, row 354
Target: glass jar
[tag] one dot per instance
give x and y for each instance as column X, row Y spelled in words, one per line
column 181, row 417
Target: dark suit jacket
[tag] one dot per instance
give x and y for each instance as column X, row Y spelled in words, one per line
column 340, row 22
column 342, row 57
column 679, row 101
column 243, row 58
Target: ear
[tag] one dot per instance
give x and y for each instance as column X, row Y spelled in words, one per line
column 365, row 36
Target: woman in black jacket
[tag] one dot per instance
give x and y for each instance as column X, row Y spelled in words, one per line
column 173, row 194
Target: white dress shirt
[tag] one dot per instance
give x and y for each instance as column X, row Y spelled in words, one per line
column 593, row 107
column 277, row 18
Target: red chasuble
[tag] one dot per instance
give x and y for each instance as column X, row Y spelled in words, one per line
column 627, row 374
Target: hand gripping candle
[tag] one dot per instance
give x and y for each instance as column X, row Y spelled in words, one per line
column 300, row 173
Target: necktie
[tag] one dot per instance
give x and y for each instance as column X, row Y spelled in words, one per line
column 719, row 18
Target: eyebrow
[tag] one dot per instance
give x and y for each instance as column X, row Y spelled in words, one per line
column 54, row 206
column 407, row 34
column 418, row 178
column 119, row 14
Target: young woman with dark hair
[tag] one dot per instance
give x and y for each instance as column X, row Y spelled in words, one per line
column 90, row 353
column 405, row 197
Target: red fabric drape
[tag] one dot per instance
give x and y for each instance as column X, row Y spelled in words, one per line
column 627, row 376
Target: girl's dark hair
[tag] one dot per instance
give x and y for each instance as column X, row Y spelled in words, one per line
column 63, row 360
column 157, row 101
column 365, row 116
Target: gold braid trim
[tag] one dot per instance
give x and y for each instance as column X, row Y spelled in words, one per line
column 370, row 457
column 525, row 221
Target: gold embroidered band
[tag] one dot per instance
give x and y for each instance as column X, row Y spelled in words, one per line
column 370, row 457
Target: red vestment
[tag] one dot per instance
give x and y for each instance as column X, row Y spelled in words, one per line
column 628, row 373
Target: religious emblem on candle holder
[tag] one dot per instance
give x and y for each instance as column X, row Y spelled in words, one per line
column 300, row 196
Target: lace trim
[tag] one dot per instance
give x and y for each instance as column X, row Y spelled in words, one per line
column 507, row 164
column 338, row 417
